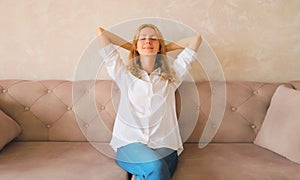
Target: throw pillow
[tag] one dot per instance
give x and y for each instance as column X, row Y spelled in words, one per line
column 9, row 129
column 280, row 129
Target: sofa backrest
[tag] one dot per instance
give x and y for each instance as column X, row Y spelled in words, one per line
column 57, row 110
column 246, row 107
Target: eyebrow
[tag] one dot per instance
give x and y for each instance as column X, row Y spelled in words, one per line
column 147, row 35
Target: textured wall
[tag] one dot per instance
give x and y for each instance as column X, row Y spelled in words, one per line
column 254, row 39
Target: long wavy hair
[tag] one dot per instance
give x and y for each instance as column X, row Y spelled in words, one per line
column 134, row 64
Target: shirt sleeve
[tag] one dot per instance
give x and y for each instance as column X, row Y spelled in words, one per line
column 183, row 61
column 111, row 57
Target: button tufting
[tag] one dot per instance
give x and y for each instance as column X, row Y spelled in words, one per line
column 233, row 108
column 86, row 125
column 69, row 108
column 198, row 107
column 102, row 107
column 253, row 126
column 4, row 90
column 49, row 91
column 48, row 125
column 255, row 92
column 26, row 108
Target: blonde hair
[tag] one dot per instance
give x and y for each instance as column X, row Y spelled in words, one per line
column 167, row 73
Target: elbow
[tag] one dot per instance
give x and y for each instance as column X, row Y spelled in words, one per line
column 99, row 31
column 198, row 39
column 196, row 42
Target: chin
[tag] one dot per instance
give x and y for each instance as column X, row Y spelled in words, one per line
column 148, row 53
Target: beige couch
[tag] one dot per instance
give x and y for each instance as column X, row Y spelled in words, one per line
column 57, row 143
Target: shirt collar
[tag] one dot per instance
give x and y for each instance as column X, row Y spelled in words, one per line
column 157, row 71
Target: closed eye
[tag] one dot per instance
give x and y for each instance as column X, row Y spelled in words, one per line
column 144, row 37
column 152, row 39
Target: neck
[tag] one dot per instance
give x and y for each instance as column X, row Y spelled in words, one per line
column 147, row 63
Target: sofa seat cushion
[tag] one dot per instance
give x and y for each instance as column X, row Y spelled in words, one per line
column 233, row 161
column 56, row 160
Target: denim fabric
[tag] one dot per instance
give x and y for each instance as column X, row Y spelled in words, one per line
column 146, row 163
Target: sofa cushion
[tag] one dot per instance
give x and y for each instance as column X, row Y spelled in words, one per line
column 233, row 161
column 280, row 130
column 57, row 160
column 9, row 129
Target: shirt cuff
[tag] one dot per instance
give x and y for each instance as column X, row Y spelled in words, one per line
column 188, row 55
column 190, row 52
column 106, row 51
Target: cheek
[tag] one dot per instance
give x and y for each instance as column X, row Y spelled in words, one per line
column 138, row 43
column 138, row 46
column 157, row 45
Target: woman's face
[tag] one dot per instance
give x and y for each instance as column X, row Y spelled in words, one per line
column 147, row 43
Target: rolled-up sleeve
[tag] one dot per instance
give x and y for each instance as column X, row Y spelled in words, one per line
column 111, row 57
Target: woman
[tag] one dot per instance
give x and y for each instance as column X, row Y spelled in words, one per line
column 146, row 136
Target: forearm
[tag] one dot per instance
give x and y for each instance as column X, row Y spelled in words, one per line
column 191, row 42
column 105, row 37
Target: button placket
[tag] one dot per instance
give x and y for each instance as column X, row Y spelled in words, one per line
column 150, row 95
column 213, row 91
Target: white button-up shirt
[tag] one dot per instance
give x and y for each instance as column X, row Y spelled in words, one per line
column 147, row 109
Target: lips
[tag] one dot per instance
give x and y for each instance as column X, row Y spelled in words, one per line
column 147, row 47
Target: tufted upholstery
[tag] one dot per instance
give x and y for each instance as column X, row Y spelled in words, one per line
column 246, row 106
column 49, row 146
column 56, row 114
column 45, row 109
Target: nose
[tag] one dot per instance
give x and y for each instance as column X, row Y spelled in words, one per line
column 147, row 40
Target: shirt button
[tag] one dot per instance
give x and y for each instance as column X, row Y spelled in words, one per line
column 88, row 91
column 214, row 126
column 213, row 91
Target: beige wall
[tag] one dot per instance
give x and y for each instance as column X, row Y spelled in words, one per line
column 256, row 40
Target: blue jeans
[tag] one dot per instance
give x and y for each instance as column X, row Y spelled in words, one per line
column 146, row 163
